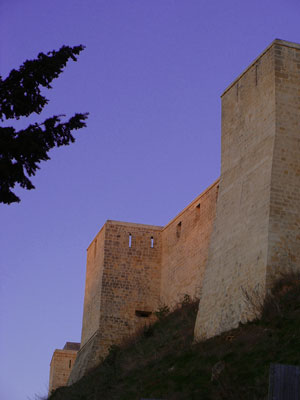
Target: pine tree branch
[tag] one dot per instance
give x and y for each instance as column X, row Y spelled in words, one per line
column 20, row 93
column 22, row 151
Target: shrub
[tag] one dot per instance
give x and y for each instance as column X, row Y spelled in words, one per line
column 162, row 311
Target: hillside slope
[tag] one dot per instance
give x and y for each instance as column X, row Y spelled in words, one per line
column 162, row 362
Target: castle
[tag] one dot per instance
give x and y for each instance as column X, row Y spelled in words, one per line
column 239, row 234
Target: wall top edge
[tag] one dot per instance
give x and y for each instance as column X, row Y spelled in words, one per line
column 61, row 351
column 196, row 200
column 279, row 42
column 155, row 227
column 129, row 224
column 133, row 224
column 95, row 237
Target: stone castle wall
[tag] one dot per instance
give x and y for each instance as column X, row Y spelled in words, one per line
column 284, row 224
column 237, row 236
column 131, row 279
column 185, row 242
column 258, row 208
column 132, row 269
column 93, row 287
column 238, row 248
column 61, row 365
column 122, row 288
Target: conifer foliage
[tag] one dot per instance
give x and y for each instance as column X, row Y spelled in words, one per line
column 20, row 95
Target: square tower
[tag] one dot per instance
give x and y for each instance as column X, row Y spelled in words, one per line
column 256, row 234
column 122, row 289
column 61, row 365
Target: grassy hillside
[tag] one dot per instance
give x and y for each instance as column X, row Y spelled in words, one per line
column 162, row 362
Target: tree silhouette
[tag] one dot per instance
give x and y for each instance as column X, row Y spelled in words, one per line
column 20, row 95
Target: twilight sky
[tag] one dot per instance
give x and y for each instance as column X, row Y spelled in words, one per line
column 151, row 77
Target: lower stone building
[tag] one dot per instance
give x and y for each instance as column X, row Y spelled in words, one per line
column 61, row 365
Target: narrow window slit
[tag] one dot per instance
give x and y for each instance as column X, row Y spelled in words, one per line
column 70, row 363
column 95, row 248
column 178, row 230
column 197, row 211
column 130, row 237
column 256, row 66
column 152, row 242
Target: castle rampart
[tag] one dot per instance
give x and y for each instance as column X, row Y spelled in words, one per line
column 93, row 287
column 132, row 269
column 237, row 236
column 185, row 242
column 61, row 365
column 258, row 208
column 284, row 224
column 122, row 288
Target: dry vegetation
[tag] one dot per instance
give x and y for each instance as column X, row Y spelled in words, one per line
column 162, row 362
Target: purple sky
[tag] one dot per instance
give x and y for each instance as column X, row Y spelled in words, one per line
column 151, row 77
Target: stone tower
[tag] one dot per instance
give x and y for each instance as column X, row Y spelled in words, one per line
column 256, row 232
column 133, row 268
column 121, row 289
column 61, row 365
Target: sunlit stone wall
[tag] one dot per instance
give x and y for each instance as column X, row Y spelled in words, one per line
column 258, row 208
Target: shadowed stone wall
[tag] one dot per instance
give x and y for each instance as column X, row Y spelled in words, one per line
column 284, row 224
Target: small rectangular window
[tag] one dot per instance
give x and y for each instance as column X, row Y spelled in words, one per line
column 178, row 229
column 129, row 240
column 152, row 242
column 70, row 363
column 143, row 314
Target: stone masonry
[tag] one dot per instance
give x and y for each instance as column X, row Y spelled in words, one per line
column 256, row 234
column 61, row 365
column 122, row 288
column 237, row 236
column 129, row 275
column 185, row 242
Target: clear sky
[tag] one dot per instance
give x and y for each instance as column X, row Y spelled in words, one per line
column 151, row 77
